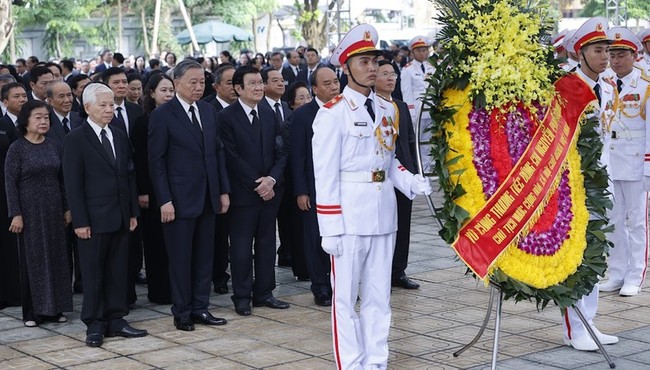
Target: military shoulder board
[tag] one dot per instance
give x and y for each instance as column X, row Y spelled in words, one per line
column 333, row 102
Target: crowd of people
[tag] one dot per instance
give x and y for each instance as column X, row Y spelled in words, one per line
column 178, row 174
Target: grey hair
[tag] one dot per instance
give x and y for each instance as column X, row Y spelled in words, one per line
column 7, row 79
column 50, row 87
column 218, row 74
column 185, row 65
column 92, row 90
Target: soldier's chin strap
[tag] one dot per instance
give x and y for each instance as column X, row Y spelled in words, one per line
column 587, row 63
column 347, row 63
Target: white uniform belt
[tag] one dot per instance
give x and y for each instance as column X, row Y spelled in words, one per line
column 627, row 134
column 363, row 176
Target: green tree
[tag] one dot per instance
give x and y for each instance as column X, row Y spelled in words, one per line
column 313, row 23
column 636, row 9
column 61, row 19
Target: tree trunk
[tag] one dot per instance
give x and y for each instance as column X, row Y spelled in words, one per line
column 156, row 26
column 145, row 37
column 6, row 24
column 119, row 25
column 268, row 32
column 188, row 24
column 58, row 45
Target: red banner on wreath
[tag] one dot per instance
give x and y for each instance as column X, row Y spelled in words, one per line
column 519, row 197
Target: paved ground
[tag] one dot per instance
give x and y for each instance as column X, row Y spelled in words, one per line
column 428, row 326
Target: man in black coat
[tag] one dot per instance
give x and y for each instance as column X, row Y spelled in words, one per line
column 290, row 72
column 326, row 87
column 101, row 194
column 191, row 185
column 255, row 159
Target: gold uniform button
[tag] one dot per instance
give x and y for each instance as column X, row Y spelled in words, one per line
column 378, row 187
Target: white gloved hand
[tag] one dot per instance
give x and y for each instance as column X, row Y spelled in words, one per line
column 646, row 183
column 332, row 245
column 421, row 185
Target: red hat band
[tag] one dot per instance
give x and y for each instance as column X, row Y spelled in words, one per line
column 623, row 44
column 589, row 38
column 356, row 48
column 419, row 44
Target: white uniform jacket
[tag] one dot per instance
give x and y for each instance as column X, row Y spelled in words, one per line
column 643, row 64
column 346, row 151
column 630, row 136
column 414, row 85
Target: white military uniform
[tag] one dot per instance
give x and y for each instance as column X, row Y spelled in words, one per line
column 643, row 64
column 346, row 151
column 588, row 305
column 628, row 259
column 414, row 85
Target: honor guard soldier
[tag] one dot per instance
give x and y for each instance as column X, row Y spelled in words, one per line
column 414, row 85
column 590, row 43
column 643, row 60
column 558, row 45
column 628, row 260
column 355, row 173
column 572, row 60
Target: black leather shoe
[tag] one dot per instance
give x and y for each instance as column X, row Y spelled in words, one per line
column 128, row 332
column 183, row 324
column 323, row 299
column 206, row 318
column 141, row 278
column 94, row 339
column 243, row 310
column 406, row 283
column 272, row 302
column 221, row 288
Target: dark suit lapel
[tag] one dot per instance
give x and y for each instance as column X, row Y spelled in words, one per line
column 182, row 116
column 94, row 141
column 56, row 127
column 243, row 119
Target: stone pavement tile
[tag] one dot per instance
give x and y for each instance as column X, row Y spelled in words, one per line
column 156, row 326
column 639, row 314
column 621, row 364
column 552, row 333
column 472, row 357
column 565, row 357
column 7, row 353
column 7, row 322
column 207, row 364
column 15, row 312
column 418, row 363
column 121, row 363
column 279, row 333
column 75, row 356
column 317, row 346
column 470, row 297
column 130, row 346
column 457, row 333
column 26, row 362
column 445, row 275
column 419, row 345
column 516, row 364
column 626, row 347
column 201, row 333
column 611, row 325
column 314, row 363
column 515, row 345
column 72, row 327
column 48, row 344
column 520, row 324
column 424, row 324
column 141, row 313
column 171, row 356
column 463, row 315
column 612, row 302
column 397, row 334
column 23, row 333
column 266, row 355
column 641, row 357
column 640, row 334
column 227, row 344
column 407, row 301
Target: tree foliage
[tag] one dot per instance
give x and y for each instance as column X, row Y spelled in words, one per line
column 636, row 9
column 313, row 23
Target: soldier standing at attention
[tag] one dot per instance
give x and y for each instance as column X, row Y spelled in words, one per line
column 356, row 171
column 628, row 260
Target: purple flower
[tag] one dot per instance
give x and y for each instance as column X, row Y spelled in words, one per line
column 479, row 128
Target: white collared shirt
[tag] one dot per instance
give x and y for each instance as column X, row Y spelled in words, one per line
column 248, row 110
column 320, row 103
column 126, row 116
column 587, row 79
column 35, row 97
column 223, row 103
column 272, row 104
column 294, row 69
column 186, row 108
column 98, row 131
column 60, row 117
column 13, row 118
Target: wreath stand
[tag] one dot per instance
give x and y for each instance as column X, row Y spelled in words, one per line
column 495, row 290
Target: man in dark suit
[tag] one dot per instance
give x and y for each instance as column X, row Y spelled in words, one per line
column 100, row 188
column 290, row 73
column 290, row 236
column 40, row 78
column 124, row 118
column 406, row 153
column 313, row 62
column 13, row 96
column 191, row 185
column 107, row 60
column 326, row 87
column 255, row 159
column 222, row 98
column 77, row 84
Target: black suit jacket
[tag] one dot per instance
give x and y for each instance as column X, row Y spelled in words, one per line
column 300, row 151
column 76, row 106
column 100, row 193
column 286, row 111
column 133, row 111
column 288, row 75
column 245, row 159
column 185, row 163
column 405, row 150
column 56, row 127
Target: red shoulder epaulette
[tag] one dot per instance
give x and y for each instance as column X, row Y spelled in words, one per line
column 609, row 81
column 332, row 102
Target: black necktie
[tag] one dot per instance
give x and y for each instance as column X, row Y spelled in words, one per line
column 278, row 113
column 370, row 110
column 597, row 92
column 195, row 121
column 107, row 145
column 65, row 125
column 120, row 116
column 338, row 73
column 422, row 67
column 257, row 128
column 619, row 85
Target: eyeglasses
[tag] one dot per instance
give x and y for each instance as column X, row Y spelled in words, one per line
column 255, row 84
column 388, row 76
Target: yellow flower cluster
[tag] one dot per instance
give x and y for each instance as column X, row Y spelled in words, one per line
column 505, row 60
column 536, row 271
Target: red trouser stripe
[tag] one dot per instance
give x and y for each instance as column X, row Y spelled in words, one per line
column 568, row 323
column 335, row 334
